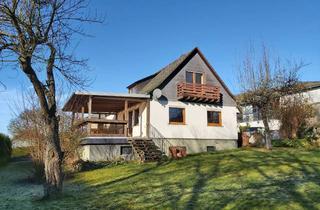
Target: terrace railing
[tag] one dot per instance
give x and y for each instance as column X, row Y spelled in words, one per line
column 103, row 127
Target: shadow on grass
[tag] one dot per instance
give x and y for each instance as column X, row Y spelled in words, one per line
column 238, row 179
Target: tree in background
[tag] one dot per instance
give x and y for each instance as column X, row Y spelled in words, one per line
column 294, row 113
column 35, row 37
column 263, row 81
column 28, row 126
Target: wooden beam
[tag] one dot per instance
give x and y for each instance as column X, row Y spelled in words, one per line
column 148, row 119
column 72, row 119
column 89, row 113
column 122, row 99
column 82, row 112
column 126, row 118
column 90, row 107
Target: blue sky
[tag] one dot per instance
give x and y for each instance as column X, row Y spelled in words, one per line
column 140, row 37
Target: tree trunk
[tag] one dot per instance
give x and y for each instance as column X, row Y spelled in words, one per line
column 53, row 160
column 266, row 131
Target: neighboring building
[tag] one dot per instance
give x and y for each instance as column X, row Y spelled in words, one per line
column 184, row 104
column 250, row 115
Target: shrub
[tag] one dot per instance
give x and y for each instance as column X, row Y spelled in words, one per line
column 5, row 147
column 305, row 143
column 82, row 165
column 294, row 114
column 30, row 127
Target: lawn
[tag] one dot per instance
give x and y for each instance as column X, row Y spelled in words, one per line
column 236, row 179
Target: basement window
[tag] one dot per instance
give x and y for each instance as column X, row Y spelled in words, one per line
column 211, row 148
column 125, row 150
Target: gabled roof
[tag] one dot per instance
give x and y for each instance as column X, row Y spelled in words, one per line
column 162, row 77
column 308, row 85
column 142, row 80
column 159, row 76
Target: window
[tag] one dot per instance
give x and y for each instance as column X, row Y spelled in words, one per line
column 214, row 118
column 136, row 117
column 189, row 77
column 194, row 77
column 198, row 77
column 211, row 148
column 176, row 115
column 125, row 150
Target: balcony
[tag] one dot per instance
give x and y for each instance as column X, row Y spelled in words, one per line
column 198, row 92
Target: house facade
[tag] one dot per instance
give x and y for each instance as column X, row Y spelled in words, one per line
column 251, row 117
column 185, row 105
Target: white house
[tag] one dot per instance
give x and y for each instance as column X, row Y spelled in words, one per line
column 185, row 104
column 250, row 116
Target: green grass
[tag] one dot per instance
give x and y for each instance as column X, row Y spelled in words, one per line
column 3, row 161
column 238, row 179
column 20, row 152
column 16, row 153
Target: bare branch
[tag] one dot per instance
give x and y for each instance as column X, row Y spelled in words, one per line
column 37, row 35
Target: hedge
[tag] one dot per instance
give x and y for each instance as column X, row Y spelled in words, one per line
column 5, row 148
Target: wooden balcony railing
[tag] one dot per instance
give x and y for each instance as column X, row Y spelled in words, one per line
column 198, row 92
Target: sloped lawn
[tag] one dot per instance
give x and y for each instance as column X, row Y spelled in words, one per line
column 237, row 179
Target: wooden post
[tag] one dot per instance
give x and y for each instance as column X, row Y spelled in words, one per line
column 72, row 119
column 89, row 113
column 82, row 113
column 126, row 117
column 89, row 107
column 148, row 119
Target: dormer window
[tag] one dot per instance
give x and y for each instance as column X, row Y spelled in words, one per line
column 194, row 77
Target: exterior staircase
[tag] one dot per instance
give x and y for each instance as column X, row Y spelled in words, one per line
column 145, row 149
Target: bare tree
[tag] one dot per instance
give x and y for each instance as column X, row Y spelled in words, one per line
column 35, row 35
column 263, row 81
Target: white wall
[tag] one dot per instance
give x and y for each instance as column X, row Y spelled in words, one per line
column 313, row 96
column 140, row 130
column 196, row 121
column 273, row 124
column 104, row 153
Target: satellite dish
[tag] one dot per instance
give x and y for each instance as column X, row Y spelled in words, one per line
column 156, row 94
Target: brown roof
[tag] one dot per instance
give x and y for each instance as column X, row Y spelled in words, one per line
column 162, row 77
column 158, row 77
column 103, row 101
column 163, row 74
column 142, row 80
column 311, row 84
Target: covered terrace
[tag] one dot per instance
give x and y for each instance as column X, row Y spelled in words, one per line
column 106, row 114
